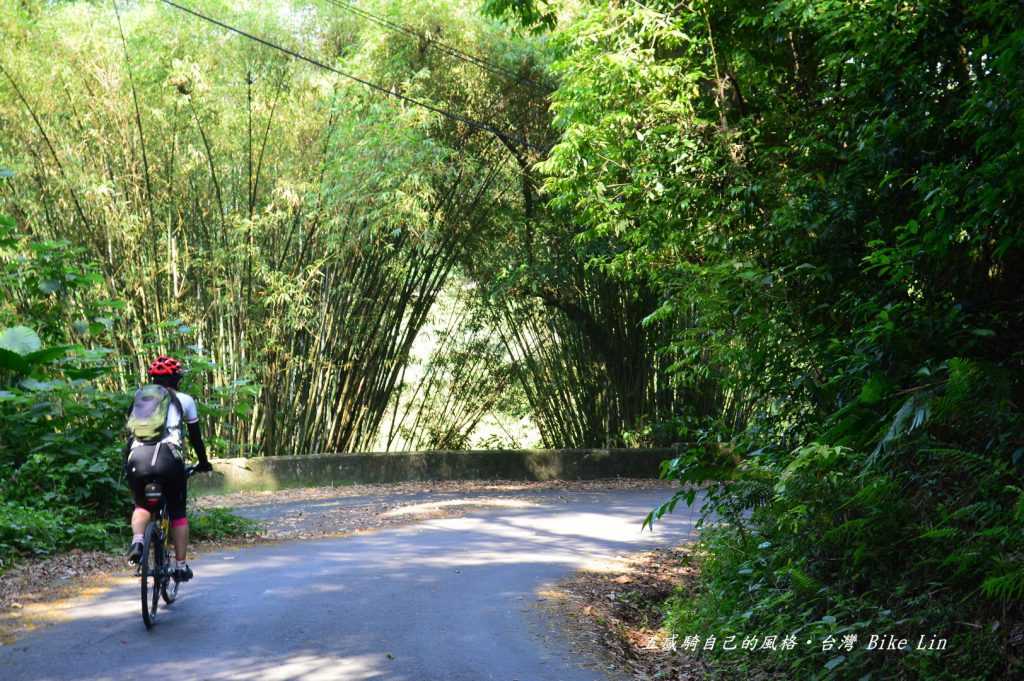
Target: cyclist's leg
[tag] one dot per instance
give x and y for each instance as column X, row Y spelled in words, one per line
column 140, row 516
column 179, row 534
column 179, row 530
column 176, row 501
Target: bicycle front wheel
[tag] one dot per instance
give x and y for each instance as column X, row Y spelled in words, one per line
column 150, row 567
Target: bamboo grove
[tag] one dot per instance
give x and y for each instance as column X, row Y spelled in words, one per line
column 297, row 229
column 293, row 229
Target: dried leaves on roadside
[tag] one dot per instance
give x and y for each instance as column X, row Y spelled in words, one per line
column 620, row 610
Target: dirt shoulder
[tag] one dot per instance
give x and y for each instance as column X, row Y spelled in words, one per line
column 616, row 612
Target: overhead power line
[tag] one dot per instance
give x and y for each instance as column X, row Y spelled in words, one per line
column 509, row 139
column 450, row 50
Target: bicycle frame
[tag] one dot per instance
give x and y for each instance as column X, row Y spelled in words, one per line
column 155, row 543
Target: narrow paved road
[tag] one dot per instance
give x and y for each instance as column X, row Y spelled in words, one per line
column 444, row 600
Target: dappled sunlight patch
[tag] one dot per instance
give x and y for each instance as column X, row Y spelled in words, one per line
column 434, row 509
column 312, row 667
column 327, row 512
column 54, row 604
column 298, row 666
column 398, row 490
column 572, row 529
column 226, row 565
column 37, row 579
column 43, row 591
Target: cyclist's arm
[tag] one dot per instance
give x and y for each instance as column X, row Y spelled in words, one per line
column 190, row 415
column 195, row 437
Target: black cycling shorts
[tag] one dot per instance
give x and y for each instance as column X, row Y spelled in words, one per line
column 158, row 463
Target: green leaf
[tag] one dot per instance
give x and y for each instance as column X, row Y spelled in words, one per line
column 20, row 339
column 874, row 390
column 47, row 355
column 835, row 662
column 85, row 373
column 12, row 361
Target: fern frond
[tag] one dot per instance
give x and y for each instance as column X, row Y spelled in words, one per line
column 1007, row 586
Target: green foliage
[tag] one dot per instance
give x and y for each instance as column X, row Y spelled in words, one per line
column 896, row 548
column 61, row 428
column 785, row 233
column 910, row 534
column 821, row 194
column 535, row 16
column 60, row 466
column 33, row 532
column 219, row 524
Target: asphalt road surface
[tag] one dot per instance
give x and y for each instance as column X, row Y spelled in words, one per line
column 443, row 600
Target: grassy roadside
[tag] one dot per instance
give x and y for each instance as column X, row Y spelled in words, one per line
column 220, row 524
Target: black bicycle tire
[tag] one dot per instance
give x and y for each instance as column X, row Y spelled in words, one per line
column 150, row 601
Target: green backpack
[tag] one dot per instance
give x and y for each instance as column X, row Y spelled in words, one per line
column 147, row 420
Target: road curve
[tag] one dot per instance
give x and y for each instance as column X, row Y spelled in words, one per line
column 443, row 600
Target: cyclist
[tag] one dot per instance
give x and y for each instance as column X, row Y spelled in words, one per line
column 164, row 459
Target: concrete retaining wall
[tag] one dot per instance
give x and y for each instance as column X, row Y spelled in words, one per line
column 275, row 472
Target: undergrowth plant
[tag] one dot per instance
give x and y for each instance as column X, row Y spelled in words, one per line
column 909, row 532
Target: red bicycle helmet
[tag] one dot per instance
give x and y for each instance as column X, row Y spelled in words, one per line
column 165, row 366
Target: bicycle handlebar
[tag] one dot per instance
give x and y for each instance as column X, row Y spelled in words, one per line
column 191, row 470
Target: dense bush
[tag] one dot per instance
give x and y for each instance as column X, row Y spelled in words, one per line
column 60, row 464
column 29, row 531
column 923, row 540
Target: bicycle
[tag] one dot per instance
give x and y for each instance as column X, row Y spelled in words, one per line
column 155, row 563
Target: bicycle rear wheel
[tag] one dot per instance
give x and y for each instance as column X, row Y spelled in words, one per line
column 150, row 568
